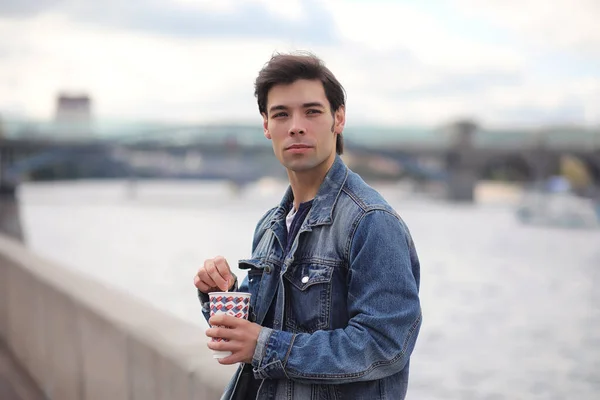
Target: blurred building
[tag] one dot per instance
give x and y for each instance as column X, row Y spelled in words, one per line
column 73, row 116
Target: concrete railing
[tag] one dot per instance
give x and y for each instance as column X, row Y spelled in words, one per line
column 82, row 340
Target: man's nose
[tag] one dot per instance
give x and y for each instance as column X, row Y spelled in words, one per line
column 297, row 126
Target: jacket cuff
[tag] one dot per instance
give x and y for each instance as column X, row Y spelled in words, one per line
column 204, row 301
column 271, row 353
column 261, row 345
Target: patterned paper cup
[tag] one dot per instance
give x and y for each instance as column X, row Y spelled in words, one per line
column 232, row 303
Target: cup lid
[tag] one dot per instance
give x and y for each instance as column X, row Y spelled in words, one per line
column 243, row 294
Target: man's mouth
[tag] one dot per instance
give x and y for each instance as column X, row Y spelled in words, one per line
column 298, row 146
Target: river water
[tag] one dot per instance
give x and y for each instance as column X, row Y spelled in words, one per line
column 510, row 311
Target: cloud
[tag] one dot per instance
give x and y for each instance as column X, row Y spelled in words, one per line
column 560, row 25
column 196, row 60
column 389, row 27
column 27, row 8
column 131, row 75
column 223, row 18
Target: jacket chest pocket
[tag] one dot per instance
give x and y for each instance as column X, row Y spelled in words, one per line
column 308, row 297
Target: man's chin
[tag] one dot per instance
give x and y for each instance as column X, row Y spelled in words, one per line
column 299, row 165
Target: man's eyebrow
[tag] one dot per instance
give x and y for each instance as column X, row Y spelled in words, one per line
column 305, row 105
column 313, row 104
column 278, row 107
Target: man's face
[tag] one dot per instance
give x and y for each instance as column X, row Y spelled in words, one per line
column 301, row 126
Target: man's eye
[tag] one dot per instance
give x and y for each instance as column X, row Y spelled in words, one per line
column 313, row 111
column 280, row 114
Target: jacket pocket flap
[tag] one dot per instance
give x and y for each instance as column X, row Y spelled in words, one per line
column 250, row 264
column 305, row 275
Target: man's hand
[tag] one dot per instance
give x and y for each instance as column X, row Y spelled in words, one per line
column 242, row 336
column 215, row 275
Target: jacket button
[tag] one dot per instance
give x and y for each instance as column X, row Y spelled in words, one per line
column 268, row 269
column 305, row 279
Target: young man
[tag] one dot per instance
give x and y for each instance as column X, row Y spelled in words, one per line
column 334, row 273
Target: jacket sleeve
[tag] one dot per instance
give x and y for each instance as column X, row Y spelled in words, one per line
column 384, row 309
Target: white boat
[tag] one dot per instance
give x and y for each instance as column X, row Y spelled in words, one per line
column 557, row 205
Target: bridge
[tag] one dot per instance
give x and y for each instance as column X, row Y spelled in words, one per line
column 458, row 155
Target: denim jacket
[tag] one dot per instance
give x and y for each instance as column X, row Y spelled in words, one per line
column 346, row 297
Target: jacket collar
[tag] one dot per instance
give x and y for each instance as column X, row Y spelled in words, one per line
column 321, row 212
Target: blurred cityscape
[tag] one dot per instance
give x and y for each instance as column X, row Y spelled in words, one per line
column 449, row 161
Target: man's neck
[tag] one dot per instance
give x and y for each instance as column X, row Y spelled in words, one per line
column 306, row 184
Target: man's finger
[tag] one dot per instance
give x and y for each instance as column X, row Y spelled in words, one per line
column 218, row 332
column 234, row 358
column 219, row 346
column 225, row 320
column 214, row 271
column 200, row 285
column 204, row 282
column 224, row 272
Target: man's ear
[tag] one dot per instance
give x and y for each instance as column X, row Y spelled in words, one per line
column 339, row 120
column 266, row 126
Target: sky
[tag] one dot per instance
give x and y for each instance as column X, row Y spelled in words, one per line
column 502, row 62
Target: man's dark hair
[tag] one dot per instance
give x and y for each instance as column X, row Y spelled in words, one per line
column 287, row 69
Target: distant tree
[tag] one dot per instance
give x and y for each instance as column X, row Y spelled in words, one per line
column 576, row 172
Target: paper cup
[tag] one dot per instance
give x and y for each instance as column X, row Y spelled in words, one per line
column 231, row 303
